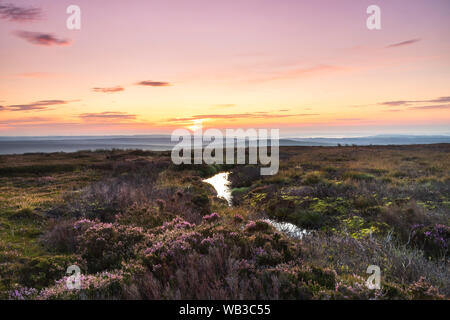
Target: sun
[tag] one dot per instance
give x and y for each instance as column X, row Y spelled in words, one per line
column 197, row 125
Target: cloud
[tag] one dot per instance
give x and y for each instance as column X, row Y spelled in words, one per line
column 41, row 39
column 151, row 83
column 430, row 107
column 109, row 90
column 2, row 108
column 107, row 115
column 395, row 103
column 409, row 102
column 36, row 106
column 403, row 43
column 15, row 13
column 237, row 116
column 440, row 100
column 27, row 120
column 225, row 105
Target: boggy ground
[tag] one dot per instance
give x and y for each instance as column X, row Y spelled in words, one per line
column 140, row 227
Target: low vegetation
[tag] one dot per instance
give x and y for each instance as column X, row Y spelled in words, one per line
column 140, row 227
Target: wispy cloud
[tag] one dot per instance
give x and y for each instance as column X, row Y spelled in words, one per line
column 403, row 43
column 107, row 115
column 395, row 103
column 26, row 120
column 41, row 39
column 430, row 107
column 36, row 106
column 225, row 105
column 440, row 100
column 237, row 116
column 409, row 102
column 109, row 90
column 151, row 83
column 15, row 13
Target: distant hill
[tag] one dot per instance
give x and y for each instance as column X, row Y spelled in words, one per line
column 371, row 140
column 19, row 145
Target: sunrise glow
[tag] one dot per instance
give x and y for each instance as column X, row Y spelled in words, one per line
column 143, row 67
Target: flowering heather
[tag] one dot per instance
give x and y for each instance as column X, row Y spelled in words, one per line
column 106, row 245
column 83, row 224
column 176, row 224
column 139, row 227
column 104, row 285
column 422, row 290
column 259, row 225
column 211, row 218
column 435, row 240
column 23, row 293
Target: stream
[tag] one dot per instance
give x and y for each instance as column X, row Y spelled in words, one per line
column 221, row 184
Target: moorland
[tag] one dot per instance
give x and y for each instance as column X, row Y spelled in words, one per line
column 140, row 227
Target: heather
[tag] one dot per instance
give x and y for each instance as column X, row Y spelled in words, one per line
column 140, row 227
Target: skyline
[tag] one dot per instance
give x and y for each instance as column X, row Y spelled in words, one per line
column 149, row 67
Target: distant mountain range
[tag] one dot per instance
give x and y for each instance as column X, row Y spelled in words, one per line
column 370, row 140
column 19, row 145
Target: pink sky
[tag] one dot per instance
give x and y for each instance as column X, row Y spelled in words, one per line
column 310, row 68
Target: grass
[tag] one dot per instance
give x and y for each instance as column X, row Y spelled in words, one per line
column 135, row 224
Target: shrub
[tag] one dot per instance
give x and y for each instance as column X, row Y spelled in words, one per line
column 106, row 245
column 359, row 176
column 434, row 240
column 37, row 169
column 61, row 236
column 312, row 178
column 23, row 293
column 259, row 225
column 402, row 219
column 310, row 219
column 399, row 264
column 211, row 218
column 26, row 214
column 104, row 285
column 40, row 271
column 422, row 290
column 129, row 184
column 244, row 176
column 202, row 202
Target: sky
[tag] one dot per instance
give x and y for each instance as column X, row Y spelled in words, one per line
column 309, row 68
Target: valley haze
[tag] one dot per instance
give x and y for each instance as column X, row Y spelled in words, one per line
column 48, row 144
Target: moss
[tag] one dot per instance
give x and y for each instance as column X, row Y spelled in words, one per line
column 312, row 178
column 238, row 191
column 26, row 214
column 359, row 176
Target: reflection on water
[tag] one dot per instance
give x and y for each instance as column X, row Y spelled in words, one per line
column 289, row 229
column 222, row 185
